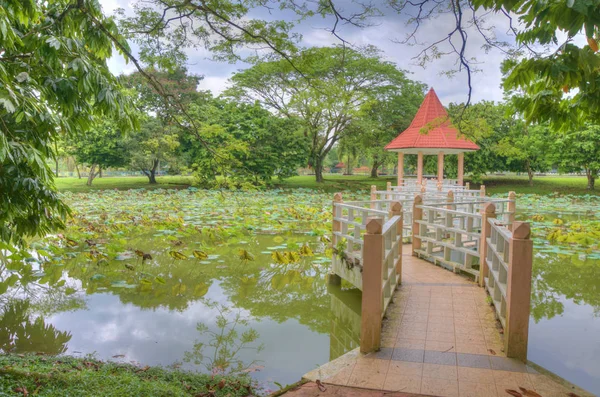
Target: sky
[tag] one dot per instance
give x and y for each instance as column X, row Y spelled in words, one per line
column 384, row 33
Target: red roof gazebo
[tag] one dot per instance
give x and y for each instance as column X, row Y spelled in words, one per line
column 431, row 133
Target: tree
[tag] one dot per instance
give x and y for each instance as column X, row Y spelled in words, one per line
column 53, row 80
column 152, row 144
column 247, row 143
column 323, row 87
column 381, row 120
column 580, row 149
column 101, row 147
column 177, row 84
column 485, row 123
column 528, row 146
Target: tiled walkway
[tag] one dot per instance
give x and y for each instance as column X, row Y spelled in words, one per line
column 440, row 337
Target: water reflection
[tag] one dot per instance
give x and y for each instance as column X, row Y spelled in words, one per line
column 220, row 355
column 21, row 334
column 557, row 277
column 344, row 334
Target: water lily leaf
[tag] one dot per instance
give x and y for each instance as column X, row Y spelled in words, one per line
column 177, row 255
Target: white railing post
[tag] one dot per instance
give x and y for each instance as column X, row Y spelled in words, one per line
column 372, row 276
column 417, row 216
column 467, row 186
column 396, row 210
column 388, row 188
column 518, row 292
column 489, row 211
column 511, row 208
column 482, row 191
column 333, row 278
column 373, row 195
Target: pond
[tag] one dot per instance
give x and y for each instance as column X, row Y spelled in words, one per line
column 565, row 315
column 215, row 281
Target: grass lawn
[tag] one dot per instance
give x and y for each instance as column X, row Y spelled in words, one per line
column 335, row 183
column 125, row 182
column 494, row 184
column 68, row 376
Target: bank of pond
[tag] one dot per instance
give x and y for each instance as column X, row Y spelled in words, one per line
column 234, row 283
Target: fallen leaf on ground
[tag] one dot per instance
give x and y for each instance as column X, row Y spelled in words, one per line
column 513, row 393
column 22, row 390
column 529, row 393
column 321, row 386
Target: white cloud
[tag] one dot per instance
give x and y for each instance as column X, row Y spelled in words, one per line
column 215, row 84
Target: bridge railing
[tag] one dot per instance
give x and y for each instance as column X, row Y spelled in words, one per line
column 506, row 276
column 471, row 234
column 450, row 234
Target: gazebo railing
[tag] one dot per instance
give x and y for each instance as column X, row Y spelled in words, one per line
column 449, row 234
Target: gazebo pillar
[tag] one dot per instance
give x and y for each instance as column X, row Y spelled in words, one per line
column 400, row 168
column 461, row 167
column 420, row 167
column 440, row 167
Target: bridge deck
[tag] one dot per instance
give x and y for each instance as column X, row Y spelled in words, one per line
column 440, row 337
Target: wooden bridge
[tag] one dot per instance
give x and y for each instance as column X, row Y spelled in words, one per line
column 456, row 329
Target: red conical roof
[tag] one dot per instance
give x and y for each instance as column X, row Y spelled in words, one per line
column 438, row 131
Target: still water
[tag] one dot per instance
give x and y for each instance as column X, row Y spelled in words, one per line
column 262, row 287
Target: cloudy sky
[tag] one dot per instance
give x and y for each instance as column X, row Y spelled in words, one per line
column 384, row 33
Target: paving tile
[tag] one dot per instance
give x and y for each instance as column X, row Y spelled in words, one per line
column 388, row 341
column 439, row 387
column 439, row 346
column 404, row 368
column 449, row 321
column 432, row 327
column 421, row 317
column 471, row 389
column 444, row 358
column 367, row 380
column 471, row 348
column 473, row 337
column 512, row 380
column 412, row 334
column 476, row 375
column 404, row 384
column 410, row 326
column 341, row 377
column 561, row 392
column 417, row 344
column 412, row 355
column 473, row 360
column 441, row 313
column 544, row 382
column 385, row 353
column 439, row 371
column 373, row 365
column 507, row 364
column 441, row 336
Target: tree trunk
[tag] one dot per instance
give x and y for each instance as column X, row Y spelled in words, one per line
column 152, row 175
column 374, row 169
column 99, row 172
column 319, row 170
column 530, row 174
column 92, row 175
column 591, row 178
column 77, row 169
column 348, row 167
